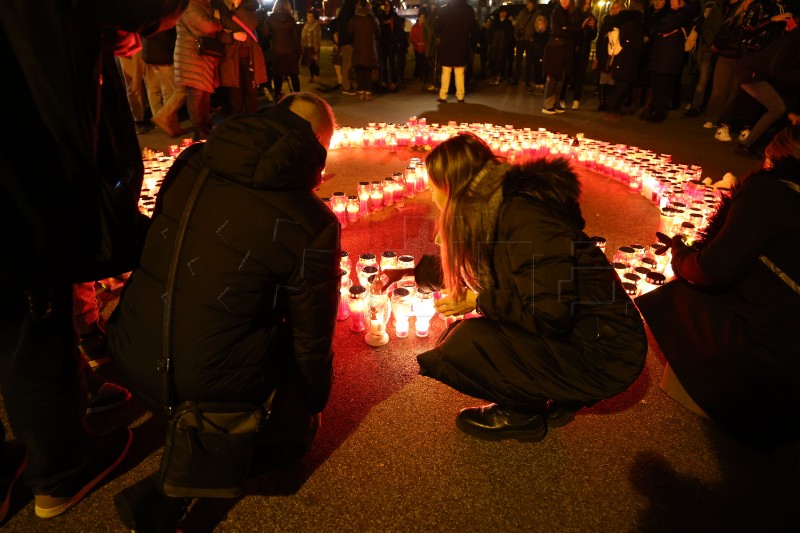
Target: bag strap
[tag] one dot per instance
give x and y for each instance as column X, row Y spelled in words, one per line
column 166, row 332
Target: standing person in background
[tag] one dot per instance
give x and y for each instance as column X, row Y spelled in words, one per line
column 482, row 47
column 88, row 144
column 198, row 73
column 642, row 93
column 558, row 54
column 605, row 81
column 727, row 48
column 422, row 70
column 281, row 29
column 431, row 37
column 165, row 96
column 707, row 25
column 667, row 57
column 311, row 41
column 524, row 32
column 580, row 59
column 243, row 67
column 625, row 65
column 540, row 39
column 366, row 31
column 336, row 59
column 346, row 13
column 556, row 331
column 501, row 40
column 391, row 38
column 457, row 29
column 133, row 68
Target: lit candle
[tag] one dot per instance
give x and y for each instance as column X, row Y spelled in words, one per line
column 424, row 311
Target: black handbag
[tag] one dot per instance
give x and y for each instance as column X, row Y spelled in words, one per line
column 209, row 445
column 209, row 46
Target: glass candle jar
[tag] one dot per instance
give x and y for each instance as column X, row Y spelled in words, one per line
column 378, row 311
column 423, row 311
column 365, row 273
column 600, row 242
column 363, row 198
column 344, row 291
column 339, row 206
column 376, row 195
column 352, row 208
column 389, row 260
column 345, row 263
column 357, row 301
column 365, row 259
column 401, row 309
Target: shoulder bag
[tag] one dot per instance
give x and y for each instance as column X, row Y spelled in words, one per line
column 209, row 445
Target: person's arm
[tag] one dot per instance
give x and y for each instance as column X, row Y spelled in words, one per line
column 736, row 247
column 541, row 259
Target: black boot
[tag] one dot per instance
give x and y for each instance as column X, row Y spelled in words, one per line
column 603, row 94
column 561, row 413
column 493, row 422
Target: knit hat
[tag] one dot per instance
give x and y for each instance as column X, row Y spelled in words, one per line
column 786, row 143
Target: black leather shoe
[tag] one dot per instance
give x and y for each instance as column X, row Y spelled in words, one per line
column 493, row 422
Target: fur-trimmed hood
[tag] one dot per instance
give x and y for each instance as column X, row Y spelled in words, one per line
column 551, row 182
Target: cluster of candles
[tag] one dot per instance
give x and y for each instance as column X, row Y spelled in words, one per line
column 375, row 195
column 684, row 202
column 369, row 311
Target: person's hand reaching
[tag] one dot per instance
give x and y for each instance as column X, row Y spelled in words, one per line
column 240, row 36
column 675, row 242
column 450, row 307
column 388, row 277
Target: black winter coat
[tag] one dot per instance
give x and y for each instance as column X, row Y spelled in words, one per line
column 366, row 33
column 625, row 66
column 559, row 52
column 542, row 336
column 728, row 325
column 668, row 36
column 257, row 287
column 457, row 29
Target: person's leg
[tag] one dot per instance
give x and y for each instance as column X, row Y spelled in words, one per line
column 460, row 84
column 45, row 399
column 155, row 91
column 703, row 76
column 133, row 72
column 550, row 87
column 616, row 97
column 520, row 51
column 765, row 94
column 169, row 113
column 347, row 64
column 444, row 88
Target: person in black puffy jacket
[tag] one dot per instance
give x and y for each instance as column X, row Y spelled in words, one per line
column 257, row 290
column 556, row 330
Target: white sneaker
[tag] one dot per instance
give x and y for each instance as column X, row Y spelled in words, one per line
column 723, row 134
column 576, row 104
column 743, row 135
column 548, row 111
column 562, row 104
column 709, row 125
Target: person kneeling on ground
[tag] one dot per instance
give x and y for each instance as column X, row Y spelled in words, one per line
column 556, row 330
column 257, row 289
column 728, row 323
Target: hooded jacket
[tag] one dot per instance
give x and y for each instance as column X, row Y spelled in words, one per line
column 256, row 290
column 556, row 323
